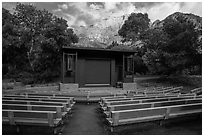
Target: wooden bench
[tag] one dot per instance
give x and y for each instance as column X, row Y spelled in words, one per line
column 30, row 117
column 150, row 105
column 59, row 109
column 174, row 90
column 66, row 106
column 124, row 98
column 146, row 97
column 39, row 99
column 151, row 114
column 147, row 100
column 102, row 99
column 162, row 88
column 197, row 91
column 39, row 96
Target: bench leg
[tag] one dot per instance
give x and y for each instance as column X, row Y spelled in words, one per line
column 17, row 129
column 55, row 131
column 112, row 129
column 162, row 122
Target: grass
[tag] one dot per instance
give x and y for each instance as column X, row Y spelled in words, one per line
column 188, row 82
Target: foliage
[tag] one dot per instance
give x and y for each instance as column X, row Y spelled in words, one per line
column 135, row 25
column 32, row 41
column 173, row 47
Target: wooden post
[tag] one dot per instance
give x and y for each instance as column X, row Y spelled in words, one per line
column 76, row 59
column 69, row 102
column 26, row 95
column 152, row 105
column 50, row 119
column 112, row 108
column 62, row 66
column 88, row 96
column 167, row 112
column 11, row 118
column 65, row 107
column 194, row 96
column 29, row 107
column 133, row 68
column 115, row 118
column 123, row 67
column 59, row 112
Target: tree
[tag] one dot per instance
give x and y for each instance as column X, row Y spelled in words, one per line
column 39, row 36
column 172, row 48
column 12, row 53
column 134, row 26
column 154, row 57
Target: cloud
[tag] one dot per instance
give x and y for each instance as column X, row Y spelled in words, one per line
column 95, row 6
column 192, row 7
column 103, row 17
column 63, row 6
column 9, row 6
column 161, row 11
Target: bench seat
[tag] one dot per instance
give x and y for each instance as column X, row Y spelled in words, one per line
column 32, row 121
column 136, row 120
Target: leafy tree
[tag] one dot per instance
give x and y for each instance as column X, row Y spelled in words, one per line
column 134, row 26
column 172, row 48
column 12, row 53
column 39, row 36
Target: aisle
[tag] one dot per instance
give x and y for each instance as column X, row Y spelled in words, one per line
column 84, row 121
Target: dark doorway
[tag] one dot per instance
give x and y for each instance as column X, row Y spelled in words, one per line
column 97, row 72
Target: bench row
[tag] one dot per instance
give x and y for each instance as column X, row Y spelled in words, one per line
column 35, row 111
column 39, row 97
column 149, row 105
column 141, row 99
column 151, row 114
column 158, row 90
column 104, row 99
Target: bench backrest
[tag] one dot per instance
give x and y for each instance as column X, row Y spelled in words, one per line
column 139, row 115
column 148, row 97
column 130, row 98
column 148, row 100
column 38, row 96
column 36, row 99
column 65, row 105
column 11, row 115
column 196, row 90
column 152, row 104
column 58, row 109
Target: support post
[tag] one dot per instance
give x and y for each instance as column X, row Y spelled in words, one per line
column 59, row 112
column 50, row 120
column 62, row 66
column 11, row 118
column 115, row 118
column 123, row 67
column 76, row 59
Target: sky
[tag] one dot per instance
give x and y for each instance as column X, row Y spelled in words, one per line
column 91, row 13
column 100, row 17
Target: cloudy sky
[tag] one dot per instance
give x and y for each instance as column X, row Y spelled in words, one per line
column 90, row 13
column 110, row 14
